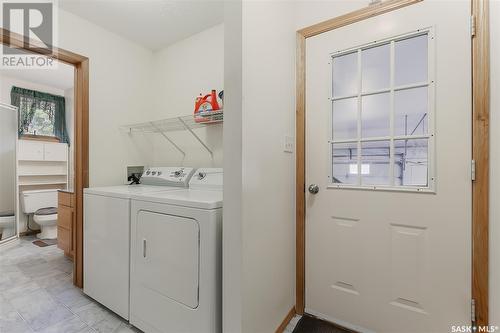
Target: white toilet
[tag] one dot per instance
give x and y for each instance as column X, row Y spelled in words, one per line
column 43, row 205
column 7, row 225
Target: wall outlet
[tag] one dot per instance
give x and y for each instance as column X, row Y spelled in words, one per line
column 288, row 144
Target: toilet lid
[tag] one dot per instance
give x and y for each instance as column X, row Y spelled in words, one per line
column 6, row 214
column 46, row 211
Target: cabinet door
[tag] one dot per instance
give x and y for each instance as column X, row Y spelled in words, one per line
column 30, row 150
column 64, row 217
column 64, row 239
column 56, row 152
column 64, row 228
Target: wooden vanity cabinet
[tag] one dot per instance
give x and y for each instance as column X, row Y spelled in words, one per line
column 66, row 223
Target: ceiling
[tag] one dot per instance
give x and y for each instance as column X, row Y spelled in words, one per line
column 152, row 23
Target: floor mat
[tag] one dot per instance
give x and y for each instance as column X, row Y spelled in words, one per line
column 45, row 242
column 308, row 324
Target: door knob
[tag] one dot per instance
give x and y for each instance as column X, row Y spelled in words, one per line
column 313, row 188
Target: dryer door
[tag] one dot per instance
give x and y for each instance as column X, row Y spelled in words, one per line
column 167, row 256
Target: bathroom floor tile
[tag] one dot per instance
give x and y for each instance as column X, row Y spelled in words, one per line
column 40, row 269
column 108, row 325
column 61, row 287
column 126, row 328
column 18, row 290
column 72, row 325
column 5, row 306
column 40, row 310
column 92, row 313
column 37, row 295
column 13, row 279
column 88, row 330
column 73, row 298
column 13, row 322
column 53, row 279
column 29, row 263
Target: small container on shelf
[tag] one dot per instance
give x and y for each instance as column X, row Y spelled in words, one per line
column 206, row 107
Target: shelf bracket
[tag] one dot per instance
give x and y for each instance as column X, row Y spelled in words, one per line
column 196, row 136
column 168, row 139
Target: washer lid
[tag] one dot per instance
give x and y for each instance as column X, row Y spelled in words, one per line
column 187, row 198
column 127, row 191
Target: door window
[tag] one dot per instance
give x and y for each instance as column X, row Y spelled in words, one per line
column 382, row 115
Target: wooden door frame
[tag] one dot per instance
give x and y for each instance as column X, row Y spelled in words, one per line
column 81, row 136
column 480, row 143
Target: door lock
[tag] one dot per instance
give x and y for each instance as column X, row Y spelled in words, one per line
column 313, row 189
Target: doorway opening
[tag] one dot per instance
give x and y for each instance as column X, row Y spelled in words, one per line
column 80, row 150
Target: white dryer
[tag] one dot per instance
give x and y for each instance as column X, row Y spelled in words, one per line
column 176, row 270
column 106, row 245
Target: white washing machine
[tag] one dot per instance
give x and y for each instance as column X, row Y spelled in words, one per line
column 106, row 242
column 176, row 269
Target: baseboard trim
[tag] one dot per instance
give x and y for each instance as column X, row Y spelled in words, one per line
column 286, row 321
column 28, row 233
column 337, row 322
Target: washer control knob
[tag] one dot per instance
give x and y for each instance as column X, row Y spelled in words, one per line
column 159, row 173
column 153, row 173
column 201, row 175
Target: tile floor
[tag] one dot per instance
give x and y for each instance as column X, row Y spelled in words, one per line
column 37, row 295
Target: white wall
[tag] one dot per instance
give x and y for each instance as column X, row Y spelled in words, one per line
column 231, row 230
column 312, row 12
column 267, row 200
column 495, row 165
column 120, row 74
column 181, row 72
column 268, row 219
column 130, row 84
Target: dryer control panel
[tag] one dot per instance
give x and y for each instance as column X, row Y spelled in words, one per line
column 207, row 179
column 167, row 176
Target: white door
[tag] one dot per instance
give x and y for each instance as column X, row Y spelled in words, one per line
column 166, row 256
column 388, row 142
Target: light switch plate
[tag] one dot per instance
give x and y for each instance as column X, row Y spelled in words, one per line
column 288, row 144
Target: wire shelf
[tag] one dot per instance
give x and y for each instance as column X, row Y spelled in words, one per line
column 181, row 123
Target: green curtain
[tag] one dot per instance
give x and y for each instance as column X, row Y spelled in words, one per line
column 28, row 101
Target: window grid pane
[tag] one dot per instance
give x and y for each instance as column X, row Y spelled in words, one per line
column 375, row 156
column 376, row 68
column 387, row 112
column 345, row 73
column 345, row 119
column 345, row 163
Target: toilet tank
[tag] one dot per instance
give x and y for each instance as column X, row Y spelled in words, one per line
column 34, row 200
